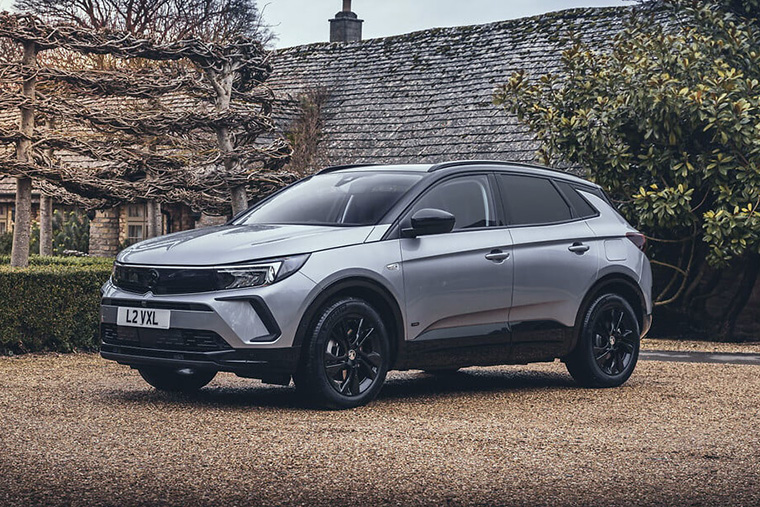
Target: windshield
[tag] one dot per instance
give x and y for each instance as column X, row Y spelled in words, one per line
column 358, row 198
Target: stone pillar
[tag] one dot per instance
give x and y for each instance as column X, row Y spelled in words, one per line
column 46, row 225
column 104, row 233
column 346, row 26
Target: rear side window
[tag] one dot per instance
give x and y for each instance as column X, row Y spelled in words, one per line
column 532, row 201
column 468, row 198
column 582, row 208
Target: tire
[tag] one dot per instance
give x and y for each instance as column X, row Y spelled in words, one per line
column 608, row 344
column 347, row 356
column 185, row 380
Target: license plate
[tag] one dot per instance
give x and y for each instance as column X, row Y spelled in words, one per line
column 142, row 317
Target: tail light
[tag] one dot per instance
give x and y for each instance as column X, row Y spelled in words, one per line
column 637, row 239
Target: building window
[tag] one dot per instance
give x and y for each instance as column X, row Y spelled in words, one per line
column 4, row 218
column 136, row 222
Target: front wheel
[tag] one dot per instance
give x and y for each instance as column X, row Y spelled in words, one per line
column 347, row 356
column 608, row 344
column 184, row 380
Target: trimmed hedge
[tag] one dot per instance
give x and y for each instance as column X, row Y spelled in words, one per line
column 53, row 305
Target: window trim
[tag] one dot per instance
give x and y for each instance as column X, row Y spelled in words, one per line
column 576, row 188
column 573, row 213
column 395, row 230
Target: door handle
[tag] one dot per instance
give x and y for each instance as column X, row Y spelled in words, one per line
column 497, row 256
column 579, row 248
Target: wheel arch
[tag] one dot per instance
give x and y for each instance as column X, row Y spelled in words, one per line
column 617, row 283
column 364, row 288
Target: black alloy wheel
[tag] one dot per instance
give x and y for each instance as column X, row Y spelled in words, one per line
column 614, row 340
column 351, row 358
column 608, row 343
column 347, row 357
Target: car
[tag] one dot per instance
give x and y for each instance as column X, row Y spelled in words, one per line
column 358, row 270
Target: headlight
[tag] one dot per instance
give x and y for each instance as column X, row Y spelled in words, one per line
column 260, row 273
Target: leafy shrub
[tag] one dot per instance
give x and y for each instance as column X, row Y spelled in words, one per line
column 53, row 305
column 6, row 243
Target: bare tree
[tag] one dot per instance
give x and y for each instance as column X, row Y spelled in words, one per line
column 210, row 20
column 137, row 145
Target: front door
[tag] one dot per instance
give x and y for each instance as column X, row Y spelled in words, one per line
column 458, row 286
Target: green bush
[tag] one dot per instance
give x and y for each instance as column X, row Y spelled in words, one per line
column 6, row 243
column 71, row 231
column 36, row 260
column 53, row 305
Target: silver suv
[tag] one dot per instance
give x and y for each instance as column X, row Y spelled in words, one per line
column 357, row 270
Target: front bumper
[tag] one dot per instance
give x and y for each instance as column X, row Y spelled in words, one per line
column 248, row 332
column 261, row 364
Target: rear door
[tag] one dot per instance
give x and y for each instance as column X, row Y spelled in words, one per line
column 556, row 260
column 458, row 286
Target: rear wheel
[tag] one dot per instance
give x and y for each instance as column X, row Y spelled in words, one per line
column 183, row 380
column 347, row 357
column 608, row 344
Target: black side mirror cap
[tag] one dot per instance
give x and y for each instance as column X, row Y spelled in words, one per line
column 429, row 221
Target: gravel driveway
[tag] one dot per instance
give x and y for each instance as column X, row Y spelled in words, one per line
column 77, row 430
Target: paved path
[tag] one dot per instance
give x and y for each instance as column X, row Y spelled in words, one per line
column 699, row 357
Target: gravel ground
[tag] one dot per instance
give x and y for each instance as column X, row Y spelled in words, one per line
column 77, row 430
column 699, row 346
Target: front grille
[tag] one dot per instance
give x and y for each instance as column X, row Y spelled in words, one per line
column 161, row 305
column 188, row 340
column 168, row 280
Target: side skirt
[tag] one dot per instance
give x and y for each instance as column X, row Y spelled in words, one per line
column 488, row 345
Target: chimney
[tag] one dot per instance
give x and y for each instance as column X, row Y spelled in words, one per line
column 346, row 27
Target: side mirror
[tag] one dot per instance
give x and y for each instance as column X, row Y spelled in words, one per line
column 429, row 221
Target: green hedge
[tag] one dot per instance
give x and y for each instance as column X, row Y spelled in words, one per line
column 36, row 260
column 53, row 305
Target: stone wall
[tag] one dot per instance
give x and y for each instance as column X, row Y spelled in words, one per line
column 104, row 233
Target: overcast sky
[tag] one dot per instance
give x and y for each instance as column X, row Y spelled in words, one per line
column 303, row 21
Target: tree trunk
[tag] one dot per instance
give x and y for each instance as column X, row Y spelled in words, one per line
column 155, row 225
column 222, row 81
column 740, row 298
column 46, row 225
column 239, row 199
column 23, row 222
column 46, row 211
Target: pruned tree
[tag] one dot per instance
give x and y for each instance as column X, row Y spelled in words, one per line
column 177, row 133
column 667, row 119
column 210, row 20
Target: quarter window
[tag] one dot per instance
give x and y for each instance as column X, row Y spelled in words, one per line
column 468, row 198
column 582, row 208
column 532, row 201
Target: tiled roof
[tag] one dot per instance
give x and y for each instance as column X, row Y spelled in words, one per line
column 427, row 96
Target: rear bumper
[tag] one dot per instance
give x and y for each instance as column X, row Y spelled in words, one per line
column 259, row 363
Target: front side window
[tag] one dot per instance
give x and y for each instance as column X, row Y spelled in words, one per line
column 532, row 201
column 468, row 198
column 339, row 199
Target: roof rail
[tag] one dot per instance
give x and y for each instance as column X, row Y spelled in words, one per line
column 460, row 163
column 339, row 167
